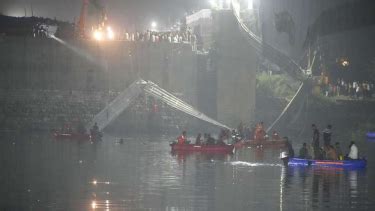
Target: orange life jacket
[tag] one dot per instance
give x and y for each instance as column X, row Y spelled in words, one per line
column 181, row 139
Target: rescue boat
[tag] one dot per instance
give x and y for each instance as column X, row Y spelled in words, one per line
column 360, row 163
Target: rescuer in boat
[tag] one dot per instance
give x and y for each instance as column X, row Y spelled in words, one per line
column 315, row 142
column 223, row 136
column 340, row 156
column 235, row 136
column 182, row 138
column 330, row 152
column 81, row 128
column 327, row 133
column 67, row 129
column 288, row 151
column 240, row 129
column 289, row 147
column 94, row 131
column 275, row 136
column 205, row 138
column 221, row 141
column 303, row 152
column 198, row 140
column 210, row 140
column 353, row 151
column 259, row 132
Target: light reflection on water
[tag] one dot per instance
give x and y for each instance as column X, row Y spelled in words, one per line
column 40, row 173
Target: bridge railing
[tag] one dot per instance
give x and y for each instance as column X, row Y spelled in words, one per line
column 118, row 105
column 154, row 90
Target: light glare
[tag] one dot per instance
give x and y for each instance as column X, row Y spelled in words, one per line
column 154, row 24
column 110, row 33
column 98, row 35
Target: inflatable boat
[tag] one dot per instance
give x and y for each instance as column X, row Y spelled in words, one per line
column 360, row 163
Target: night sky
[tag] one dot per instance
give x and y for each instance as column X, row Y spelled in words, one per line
column 121, row 12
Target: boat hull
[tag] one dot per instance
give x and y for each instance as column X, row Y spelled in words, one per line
column 76, row 136
column 371, row 135
column 72, row 136
column 203, row 148
column 360, row 163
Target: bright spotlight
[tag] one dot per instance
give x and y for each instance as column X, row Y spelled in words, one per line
column 213, row 3
column 345, row 63
column 98, row 35
column 249, row 4
column 110, row 33
column 154, row 24
column 93, row 204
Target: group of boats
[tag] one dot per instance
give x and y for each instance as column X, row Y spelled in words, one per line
column 227, row 148
column 230, row 148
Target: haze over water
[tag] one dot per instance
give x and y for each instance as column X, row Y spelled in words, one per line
column 41, row 173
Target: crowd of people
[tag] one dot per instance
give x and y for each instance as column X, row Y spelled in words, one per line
column 341, row 87
column 206, row 139
column 317, row 149
column 164, row 36
column 256, row 133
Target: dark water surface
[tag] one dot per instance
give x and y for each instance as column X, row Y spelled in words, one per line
column 40, row 173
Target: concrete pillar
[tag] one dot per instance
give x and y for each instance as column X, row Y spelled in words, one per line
column 235, row 63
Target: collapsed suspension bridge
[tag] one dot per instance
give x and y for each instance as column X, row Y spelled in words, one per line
column 123, row 101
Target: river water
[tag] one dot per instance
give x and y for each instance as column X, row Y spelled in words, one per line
column 41, row 173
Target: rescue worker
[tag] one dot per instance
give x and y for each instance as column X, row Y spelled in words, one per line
column 330, row 152
column 315, row 142
column 275, row 136
column 303, row 152
column 210, row 140
column 259, row 132
column 94, row 132
column 340, row 156
column 198, row 140
column 353, row 153
column 182, row 138
column 289, row 147
column 327, row 133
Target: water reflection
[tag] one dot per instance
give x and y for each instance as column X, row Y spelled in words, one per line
column 181, row 156
column 322, row 188
column 39, row 173
column 353, row 183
